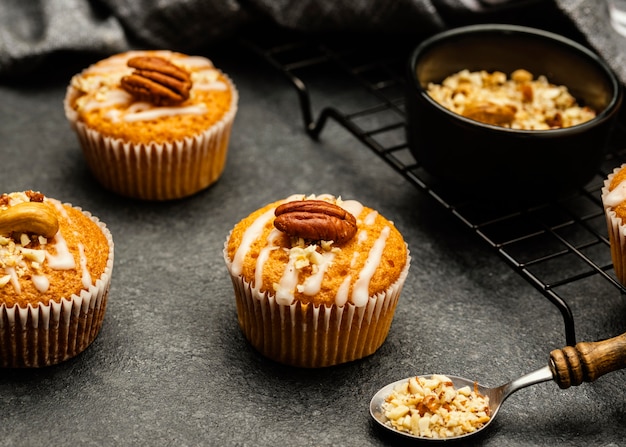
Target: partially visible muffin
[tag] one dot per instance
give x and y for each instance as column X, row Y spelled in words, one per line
column 153, row 125
column 56, row 262
column 316, row 279
column 614, row 202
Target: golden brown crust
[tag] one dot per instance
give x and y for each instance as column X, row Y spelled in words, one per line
column 160, row 130
column 76, row 227
column 619, row 177
column 349, row 259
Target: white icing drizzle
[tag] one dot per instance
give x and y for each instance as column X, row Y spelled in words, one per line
column 14, row 279
column 60, row 208
column 328, row 197
column 159, row 112
column 63, row 260
column 352, row 206
column 342, row 292
column 113, row 65
column 264, row 255
column 285, row 289
column 41, row 283
column 86, row 277
column 113, row 98
column 210, row 85
column 616, row 196
column 371, row 218
column 313, row 283
column 360, row 291
column 249, row 236
column 195, row 61
column 362, row 236
column 139, row 106
column 113, row 115
column 355, row 257
column 295, row 197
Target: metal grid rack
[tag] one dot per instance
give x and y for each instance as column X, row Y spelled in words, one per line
column 552, row 245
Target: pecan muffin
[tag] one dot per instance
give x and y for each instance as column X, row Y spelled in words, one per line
column 153, row 125
column 316, row 279
column 614, row 202
column 56, row 262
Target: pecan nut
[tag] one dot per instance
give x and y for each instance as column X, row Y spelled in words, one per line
column 157, row 80
column 315, row 220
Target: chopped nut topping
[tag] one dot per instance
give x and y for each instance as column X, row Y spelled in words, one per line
column 23, row 215
column 520, row 102
column 433, row 408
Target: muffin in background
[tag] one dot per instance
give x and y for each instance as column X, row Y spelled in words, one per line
column 316, row 279
column 56, row 262
column 153, row 125
column 614, row 202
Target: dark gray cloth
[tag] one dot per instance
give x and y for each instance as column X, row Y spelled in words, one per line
column 32, row 30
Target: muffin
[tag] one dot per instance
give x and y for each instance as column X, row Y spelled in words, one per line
column 153, row 125
column 614, row 202
column 56, row 262
column 316, row 279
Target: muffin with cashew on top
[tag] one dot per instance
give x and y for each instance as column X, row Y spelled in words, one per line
column 316, row 279
column 153, row 125
column 56, row 262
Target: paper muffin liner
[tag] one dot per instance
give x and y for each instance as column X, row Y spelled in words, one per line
column 311, row 336
column 617, row 232
column 156, row 171
column 49, row 334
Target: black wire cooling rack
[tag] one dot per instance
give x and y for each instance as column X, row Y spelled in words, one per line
column 552, row 245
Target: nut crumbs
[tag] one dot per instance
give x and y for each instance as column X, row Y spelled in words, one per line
column 520, row 102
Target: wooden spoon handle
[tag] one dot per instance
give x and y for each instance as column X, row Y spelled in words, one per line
column 587, row 361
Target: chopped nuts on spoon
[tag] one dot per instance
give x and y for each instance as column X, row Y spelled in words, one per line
column 520, row 102
column 433, row 408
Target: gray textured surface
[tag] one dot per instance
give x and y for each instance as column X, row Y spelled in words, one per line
column 592, row 18
column 170, row 366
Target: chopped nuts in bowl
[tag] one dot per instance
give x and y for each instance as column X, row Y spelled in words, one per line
column 519, row 101
column 513, row 143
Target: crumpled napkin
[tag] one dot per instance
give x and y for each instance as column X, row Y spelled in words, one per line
column 32, row 30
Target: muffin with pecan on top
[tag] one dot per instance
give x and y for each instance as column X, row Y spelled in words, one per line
column 316, row 279
column 56, row 262
column 153, row 125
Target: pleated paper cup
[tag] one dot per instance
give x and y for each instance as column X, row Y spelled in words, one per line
column 616, row 230
column 47, row 334
column 309, row 336
column 156, row 171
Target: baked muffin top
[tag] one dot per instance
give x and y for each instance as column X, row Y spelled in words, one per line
column 301, row 261
column 150, row 96
column 48, row 250
column 616, row 198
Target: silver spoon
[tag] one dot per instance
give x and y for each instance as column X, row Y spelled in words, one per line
column 569, row 366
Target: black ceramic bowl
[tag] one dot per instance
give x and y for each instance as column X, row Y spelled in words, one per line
column 466, row 153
